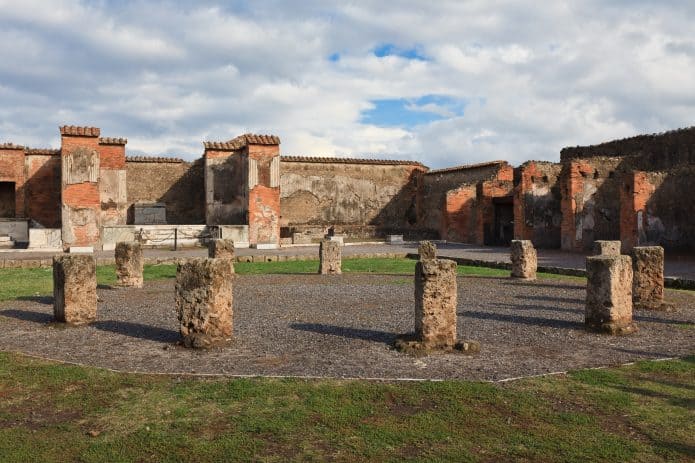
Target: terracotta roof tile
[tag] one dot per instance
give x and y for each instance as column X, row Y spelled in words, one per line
column 79, row 131
column 49, row 151
column 10, row 146
column 467, row 166
column 242, row 141
column 113, row 141
column 161, row 159
column 331, row 160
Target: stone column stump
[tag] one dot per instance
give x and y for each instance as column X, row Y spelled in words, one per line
column 609, row 294
column 606, row 248
column 74, row 289
column 427, row 250
column 204, row 302
column 221, row 249
column 648, row 278
column 129, row 264
column 330, row 258
column 524, row 260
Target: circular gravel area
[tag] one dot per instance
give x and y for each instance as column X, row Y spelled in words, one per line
column 344, row 326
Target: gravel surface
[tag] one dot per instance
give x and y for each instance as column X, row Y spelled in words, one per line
column 343, row 326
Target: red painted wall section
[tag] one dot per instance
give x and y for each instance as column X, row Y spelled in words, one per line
column 12, row 170
column 264, row 196
column 43, row 189
column 635, row 193
column 572, row 184
column 460, row 215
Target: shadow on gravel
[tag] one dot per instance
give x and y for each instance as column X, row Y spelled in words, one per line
column 571, row 300
column 536, row 321
column 28, row 315
column 354, row 333
column 137, row 330
column 47, row 300
column 652, row 319
column 542, row 285
column 536, row 307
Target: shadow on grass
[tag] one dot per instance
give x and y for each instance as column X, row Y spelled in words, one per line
column 534, row 321
column 28, row 315
column 138, row 330
column 46, row 300
column 346, row 332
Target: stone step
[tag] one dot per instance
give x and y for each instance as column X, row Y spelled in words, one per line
column 6, row 242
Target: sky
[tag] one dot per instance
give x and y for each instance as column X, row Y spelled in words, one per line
column 441, row 82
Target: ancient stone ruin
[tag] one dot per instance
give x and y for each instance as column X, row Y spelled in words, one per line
column 221, row 249
column 648, row 278
column 606, row 248
column 129, row 264
column 74, row 289
column 330, row 258
column 524, row 260
column 427, row 250
column 204, row 302
column 609, row 294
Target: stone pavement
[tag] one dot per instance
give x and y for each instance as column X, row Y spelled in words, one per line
column 676, row 266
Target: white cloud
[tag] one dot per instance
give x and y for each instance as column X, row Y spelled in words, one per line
column 168, row 75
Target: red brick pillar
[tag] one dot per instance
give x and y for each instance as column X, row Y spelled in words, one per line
column 572, row 187
column 635, row 192
column 264, row 193
column 80, row 195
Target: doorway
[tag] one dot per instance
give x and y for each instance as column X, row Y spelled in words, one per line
column 7, row 199
column 503, row 230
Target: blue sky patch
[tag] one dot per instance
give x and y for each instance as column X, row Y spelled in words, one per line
column 389, row 49
column 334, row 57
column 410, row 112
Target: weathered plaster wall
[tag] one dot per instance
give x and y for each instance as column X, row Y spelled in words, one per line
column 264, row 193
column 590, row 202
column 226, row 187
column 177, row 184
column 358, row 195
column 537, row 199
column 112, row 182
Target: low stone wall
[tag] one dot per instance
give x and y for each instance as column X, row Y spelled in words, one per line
column 45, row 238
column 18, row 229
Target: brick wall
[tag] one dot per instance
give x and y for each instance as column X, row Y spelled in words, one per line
column 43, row 189
column 264, row 194
column 537, row 198
column 12, row 170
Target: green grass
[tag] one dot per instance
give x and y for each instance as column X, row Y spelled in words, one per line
column 642, row 412
column 18, row 283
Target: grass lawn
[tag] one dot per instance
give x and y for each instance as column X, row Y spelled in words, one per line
column 17, row 283
column 61, row 413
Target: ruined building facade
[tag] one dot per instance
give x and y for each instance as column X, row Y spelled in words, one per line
column 88, row 193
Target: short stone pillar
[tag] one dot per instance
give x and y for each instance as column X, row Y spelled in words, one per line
column 435, row 303
column 221, row 249
column 427, row 250
column 609, row 294
column 129, row 264
column 330, row 258
column 524, row 260
column 606, row 248
column 75, row 289
column 204, row 302
column 648, row 277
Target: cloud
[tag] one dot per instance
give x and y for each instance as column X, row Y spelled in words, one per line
column 446, row 83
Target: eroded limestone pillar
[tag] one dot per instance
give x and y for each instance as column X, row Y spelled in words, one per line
column 524, row 259
column 435, row 303
column 221, row 249
column 609, row 294
column 606, row 248
column 330, row 258
column 129, row 264
column 204, row 302
column 648, row 277
column 427, row 250
column 74, row 289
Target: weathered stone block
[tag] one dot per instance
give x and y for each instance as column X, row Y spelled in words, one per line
column 606, row 248
column 129, row 264
column 74, row 289
column 330, row 258
column 435, row 303
column 204, row 302
column 427, row 250
column 221, row 249
column 609, row 294
column 524, row 259
column 648, row 277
